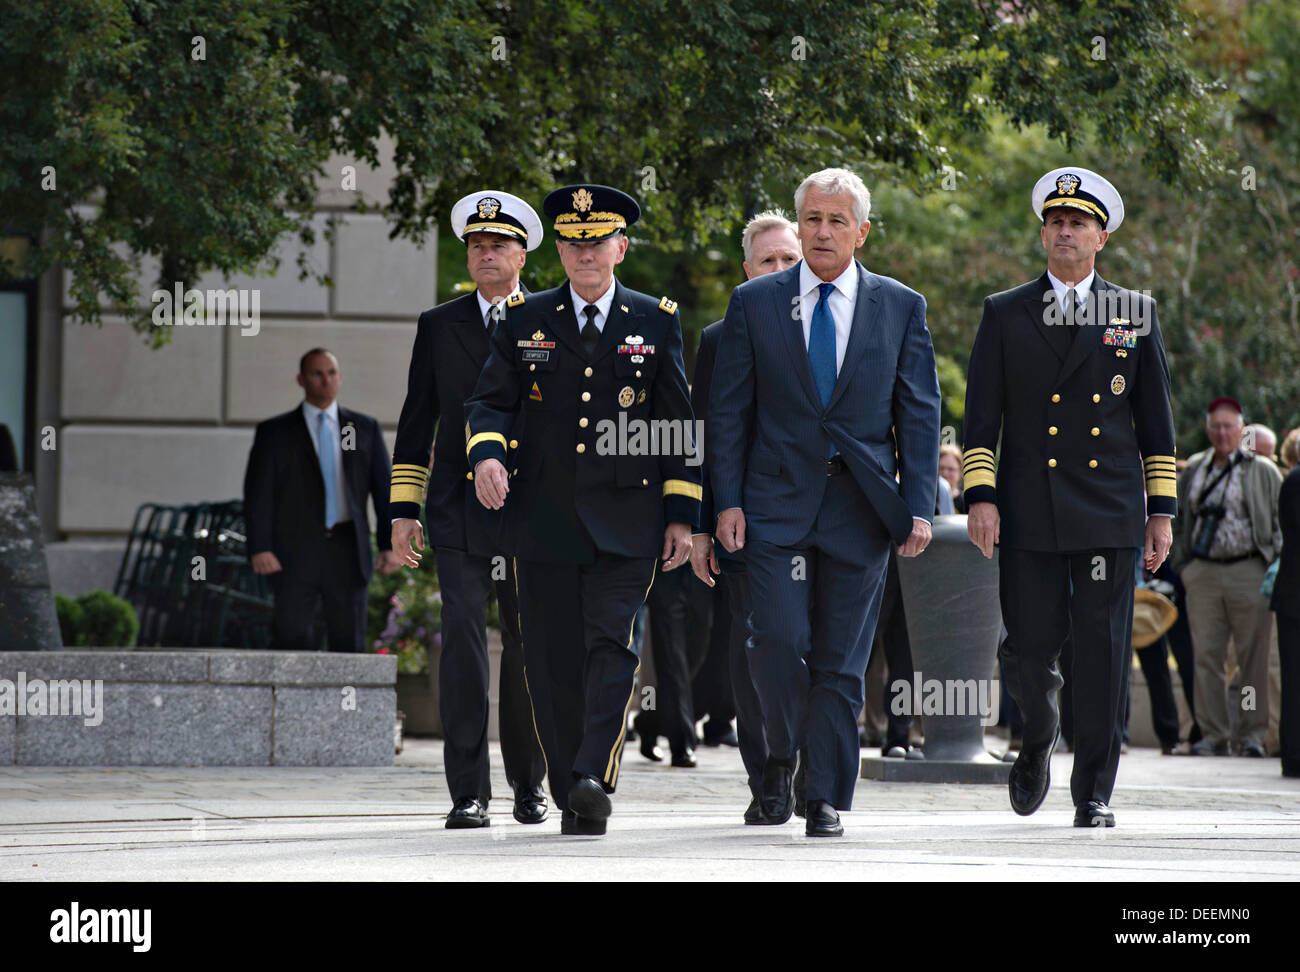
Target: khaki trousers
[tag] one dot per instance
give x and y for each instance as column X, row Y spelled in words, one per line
column 1223, row 601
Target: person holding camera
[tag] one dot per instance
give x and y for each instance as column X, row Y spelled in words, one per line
column 1223, row 548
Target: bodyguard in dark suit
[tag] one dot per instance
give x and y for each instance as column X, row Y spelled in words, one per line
column 1286, row 603
column 597, row 493
column 825, row 371
column 1071, row 370
column 770, row 243
column 305, row 493
column 470, row 552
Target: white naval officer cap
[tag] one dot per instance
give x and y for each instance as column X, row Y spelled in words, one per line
column 493, row 211
column 1080, row 189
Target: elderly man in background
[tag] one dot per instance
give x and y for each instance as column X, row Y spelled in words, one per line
column 1224, row 546
column 1261, row 440
column 770, row 243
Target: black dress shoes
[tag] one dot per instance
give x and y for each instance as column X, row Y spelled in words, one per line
column 754, row 812
column 1030, row 777
column 823, row 820
column 685, row 759
column 571, row 825
column 588, row 799
column 467, row 814
column 777, row 801
column 801, row 786
column 530, row 805
column 1094, row 813
column 650, row 751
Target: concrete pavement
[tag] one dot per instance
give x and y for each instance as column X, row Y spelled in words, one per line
column 1180, row 819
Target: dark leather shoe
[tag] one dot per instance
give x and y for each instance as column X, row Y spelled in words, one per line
column 588, row 798
column 1030, row 777
column 1252, row 747
column 467, row 814
column 530, row 805
column 801, row 786
column 1094, row 813
column 823, row 820
column 650, row 751
column 778, row 799
column 571, row 825
column 685, row 759
column 754, row 812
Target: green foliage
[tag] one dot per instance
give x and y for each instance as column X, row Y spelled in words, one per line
column 706, row 110
column 97, row 619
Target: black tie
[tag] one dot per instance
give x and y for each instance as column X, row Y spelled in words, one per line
column 590, row 333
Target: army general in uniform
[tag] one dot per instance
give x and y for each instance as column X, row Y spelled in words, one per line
column 470, row 551
column 591, row 365
column 1071, row 370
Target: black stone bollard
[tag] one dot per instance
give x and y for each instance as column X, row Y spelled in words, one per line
column 950, row 597
column 28, row 621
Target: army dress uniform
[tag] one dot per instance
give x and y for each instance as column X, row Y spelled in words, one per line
column 471, row 551
column 586, row 510
column 1085, row 424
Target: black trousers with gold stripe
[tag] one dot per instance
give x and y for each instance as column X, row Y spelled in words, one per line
column 580, row 663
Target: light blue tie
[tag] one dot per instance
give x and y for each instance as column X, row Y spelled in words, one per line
column 821, row 348
column 326, row 446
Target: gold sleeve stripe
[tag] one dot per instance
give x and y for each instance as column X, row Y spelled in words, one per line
column 402, row 493
column 977, row 451
column 1162, row 487
column 484, row 437
column 980, row 463
column 411, row 468
column 981, row 478
column 680, row 487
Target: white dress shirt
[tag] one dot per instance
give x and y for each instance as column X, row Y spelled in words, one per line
column 1081, row 289
column 842, row 301
column 603, row 303
column 312, row 414
column 485, row 305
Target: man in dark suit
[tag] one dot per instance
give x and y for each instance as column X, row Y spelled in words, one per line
column 451, row 344
column 597, row 492
column 825, row 371
column 770, row 243
column 1071, row 370
column 305, row 493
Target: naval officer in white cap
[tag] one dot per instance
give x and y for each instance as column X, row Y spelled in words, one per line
column 1070, row 371
column 471, row 551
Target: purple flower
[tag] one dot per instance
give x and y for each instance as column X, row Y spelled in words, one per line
column 437, row 639
column 419, row 632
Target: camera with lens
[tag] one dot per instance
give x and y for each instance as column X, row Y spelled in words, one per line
column 1207, row 524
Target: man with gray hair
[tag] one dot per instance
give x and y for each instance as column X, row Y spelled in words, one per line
column 825, row 374
column 1261, row 440
column 770, row 243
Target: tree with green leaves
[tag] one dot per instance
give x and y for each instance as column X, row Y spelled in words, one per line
column 195, row 132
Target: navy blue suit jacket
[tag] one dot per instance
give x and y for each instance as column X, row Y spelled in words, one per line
column 885, row 404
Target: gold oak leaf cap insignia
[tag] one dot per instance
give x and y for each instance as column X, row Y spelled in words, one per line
column 591, row 212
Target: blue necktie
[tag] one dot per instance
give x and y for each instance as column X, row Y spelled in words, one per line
column 821, row 345
column 326, row 447
column 821, row 348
